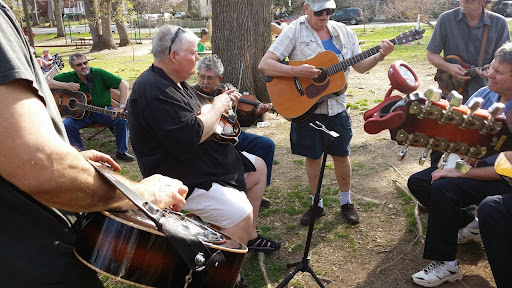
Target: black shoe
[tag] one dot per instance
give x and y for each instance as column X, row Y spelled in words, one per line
column 265, row 202
column 262, row 244
column 124, row 156
column 304, row 220
column 349, row 214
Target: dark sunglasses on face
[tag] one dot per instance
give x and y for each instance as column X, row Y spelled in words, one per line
column 328, row 11
column 81, row 64
column 174, row 37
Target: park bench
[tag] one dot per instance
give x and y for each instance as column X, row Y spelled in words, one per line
column 83, row 42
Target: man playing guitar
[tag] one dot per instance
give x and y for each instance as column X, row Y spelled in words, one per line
column 471, row 33
column 303, row 39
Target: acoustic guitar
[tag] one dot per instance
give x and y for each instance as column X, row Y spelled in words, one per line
column 128, row 247
column 76, row 104
column 294, row 96
column 448, row 83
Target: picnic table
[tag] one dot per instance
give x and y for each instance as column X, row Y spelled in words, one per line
column 83, row 42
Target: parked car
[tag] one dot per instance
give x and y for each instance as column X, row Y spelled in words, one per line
column 180, row 14
column 348, row 15
column 505, row 8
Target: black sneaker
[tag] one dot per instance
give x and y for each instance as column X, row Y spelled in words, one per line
column 349, row 213
column 304, row 220
column 124, row 156
column 265, row 202
column 262, row 244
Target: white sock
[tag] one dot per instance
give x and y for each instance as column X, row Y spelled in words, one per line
column 320, row 203
column 345, row 197
column 451, row 264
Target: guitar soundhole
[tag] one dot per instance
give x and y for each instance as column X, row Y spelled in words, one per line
column 321, row 78
column 72, row 104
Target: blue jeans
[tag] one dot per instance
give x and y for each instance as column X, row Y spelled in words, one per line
column 260, row 146
column 73, row 127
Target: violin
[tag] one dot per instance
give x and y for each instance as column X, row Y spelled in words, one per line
column 249, row 103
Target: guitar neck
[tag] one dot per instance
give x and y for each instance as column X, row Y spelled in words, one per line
column 96, row 109
column 54, row 71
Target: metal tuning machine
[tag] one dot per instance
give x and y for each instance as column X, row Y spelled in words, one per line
column 491, row 125
column 469, row 120
column 450, row 116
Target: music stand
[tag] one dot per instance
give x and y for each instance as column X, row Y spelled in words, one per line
column 303, row 265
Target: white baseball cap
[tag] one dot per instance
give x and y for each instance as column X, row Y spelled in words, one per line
column 318, row 5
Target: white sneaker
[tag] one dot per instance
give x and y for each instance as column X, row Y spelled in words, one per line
column 436, row 273
column 467, row 234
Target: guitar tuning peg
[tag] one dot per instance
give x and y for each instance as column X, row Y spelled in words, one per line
column 462, row 166
column 456, row 99
column 423, row 157
column 491, row 125
column 401, row 154
column 473, row 105
column 442, row 162
column 433, row 94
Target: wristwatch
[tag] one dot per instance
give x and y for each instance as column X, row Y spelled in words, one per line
column 122, row 106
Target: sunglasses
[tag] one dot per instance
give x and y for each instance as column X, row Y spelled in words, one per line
column 81, row 64
column 175, row 37
column 328, row 11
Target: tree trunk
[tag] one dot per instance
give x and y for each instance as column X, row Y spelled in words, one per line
column 35, row 17
column 51, row 13
column 58, row 18
column 242, row 41
column 101, row 31
column 27, row 23
column 117, row 8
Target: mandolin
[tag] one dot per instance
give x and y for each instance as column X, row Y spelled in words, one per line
column 447, row 83
column 293, row 96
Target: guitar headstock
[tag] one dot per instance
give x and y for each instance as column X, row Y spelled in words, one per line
column 409, row 36
column 57, row 61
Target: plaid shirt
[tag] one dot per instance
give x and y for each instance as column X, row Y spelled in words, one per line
column 299, row 41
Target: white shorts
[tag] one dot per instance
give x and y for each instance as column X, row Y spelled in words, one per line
column 222, row 206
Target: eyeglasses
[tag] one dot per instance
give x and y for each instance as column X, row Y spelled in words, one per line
column 208, row 78
column 328, row 11
column 175, row 37
column 81, row 64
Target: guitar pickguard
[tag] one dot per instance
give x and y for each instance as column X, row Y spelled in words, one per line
column 313, row 91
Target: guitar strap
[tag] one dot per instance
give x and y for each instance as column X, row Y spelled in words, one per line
column 193, row 252
column 482, row 47
column 90, row 82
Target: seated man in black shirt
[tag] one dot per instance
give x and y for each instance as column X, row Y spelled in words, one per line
column 172, row 135
column 210, row 70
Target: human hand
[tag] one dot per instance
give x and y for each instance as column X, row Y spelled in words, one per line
column 457, row 71
column 446, row 173
column 386, row 47
column 263, row 108
column 73, row 86
column 99, row 159
column 483, row 72
column 163, row 191
column 306, row 70
column 227, row 99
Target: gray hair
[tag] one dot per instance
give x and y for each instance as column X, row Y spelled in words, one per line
column 163, row 39
column 74, row 56
column 211, row 63
column 504, row 54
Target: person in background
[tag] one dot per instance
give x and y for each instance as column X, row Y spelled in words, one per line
column 303, row 39
column 97, row 83
column 209, row 71
column 45, row 183
column 46, row 60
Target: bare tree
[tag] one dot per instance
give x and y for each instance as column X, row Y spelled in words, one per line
column 119, row 19
column 241, row 36
column 408, row 10
column 58, row 18
column 27, row 21
column 51, row 13
column 193, row 8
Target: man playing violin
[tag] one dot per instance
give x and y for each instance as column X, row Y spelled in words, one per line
column 210, row 70
column 301, row 40
column 445, row 192
column 171, row 135
column 460, row 32
column 97, row 82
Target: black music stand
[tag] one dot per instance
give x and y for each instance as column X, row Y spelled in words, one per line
column 303, row 265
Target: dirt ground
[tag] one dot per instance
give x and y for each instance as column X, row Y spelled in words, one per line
column 380, row 251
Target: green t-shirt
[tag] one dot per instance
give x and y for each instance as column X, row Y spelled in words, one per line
column 103, row 82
